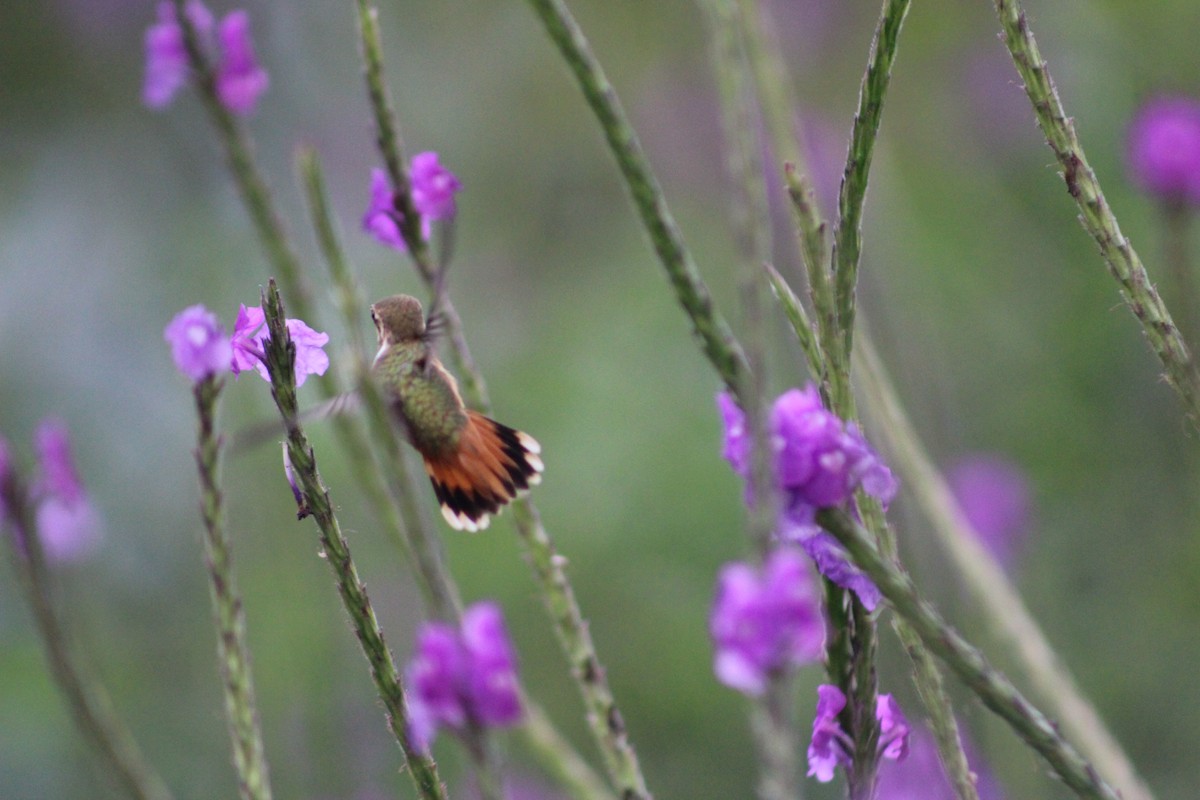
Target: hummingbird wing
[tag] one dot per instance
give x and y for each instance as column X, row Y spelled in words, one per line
column 492, row 464
column 260, row 433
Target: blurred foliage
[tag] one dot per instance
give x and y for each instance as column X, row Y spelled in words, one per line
column 1002, row 330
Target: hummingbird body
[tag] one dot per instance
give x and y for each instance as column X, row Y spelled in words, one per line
column 476, row 464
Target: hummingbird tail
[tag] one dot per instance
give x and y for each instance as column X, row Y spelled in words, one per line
column 493, row 463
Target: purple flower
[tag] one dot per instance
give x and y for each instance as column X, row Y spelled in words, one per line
column 67, row 522
column 382, row 219
column 995, row 498
column 893, row 728
column 819, row 462
column 1163, row 149
column 166, row 58
column 249, row 332
column 829, row 745
column 462, row 678
column 831, row 559
column 433, row 187
column 199, row 343
column 762, row 623
column 240, row 80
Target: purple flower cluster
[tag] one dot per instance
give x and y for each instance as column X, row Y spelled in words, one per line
column 765, row 621
column 67, row 523
column 1163, row 149
column 464, row 678
column 200, row 346
column 819, row 462
column 249, row 333
column 831, row 746
column 239, row 78
column 433, row 193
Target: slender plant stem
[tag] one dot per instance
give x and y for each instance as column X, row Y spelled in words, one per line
column 1097, row 217
column 435, row 580
column 996, row 597
column 560, row 757
column 774, row 726
column 604, row 718
column 995, row 690
column 280, row 355
column 710, row 328
column 925, row 674
column 391, row 149
column 772, row 720
column 240, row 159
column 88, row 701
column 847, row 238
column 927, row 677
column 794, row 310
column 232, row 649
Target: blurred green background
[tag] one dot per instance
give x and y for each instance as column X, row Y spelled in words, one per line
column 1001, row 328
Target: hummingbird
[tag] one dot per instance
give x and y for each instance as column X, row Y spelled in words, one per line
column 476, row 464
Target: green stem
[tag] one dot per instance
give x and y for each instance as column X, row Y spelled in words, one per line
column 233, row 652
column 847, row 238
column 391, row 149
column 995, row 690
column 710, row 328
column 240, row 159
column 88, row 701
column 280, row 354
column 932, row 689
column 774, row 726
column 1096, row 215
column 605, row 720
column 996, row 597
column 603, row 717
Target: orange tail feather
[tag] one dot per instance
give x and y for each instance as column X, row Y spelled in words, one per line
column 492, row 464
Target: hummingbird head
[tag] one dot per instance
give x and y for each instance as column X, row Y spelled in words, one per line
column 398, row 319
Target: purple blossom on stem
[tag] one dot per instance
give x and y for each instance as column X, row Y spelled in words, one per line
column 433, row 187
column 433, row 191
column 167, row 64
column 1163, row 149
column 240, row 80
column 249, row 332
column 820, row 462
column 462, row 679
column 199, row 344
column 67, row 522
column 994, row 496
column 765, row 621
column 382, row 218
column 893, row 728
column 831, row 746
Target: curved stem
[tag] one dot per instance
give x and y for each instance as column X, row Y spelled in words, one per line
column 240, row 708
column 1097, row 217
